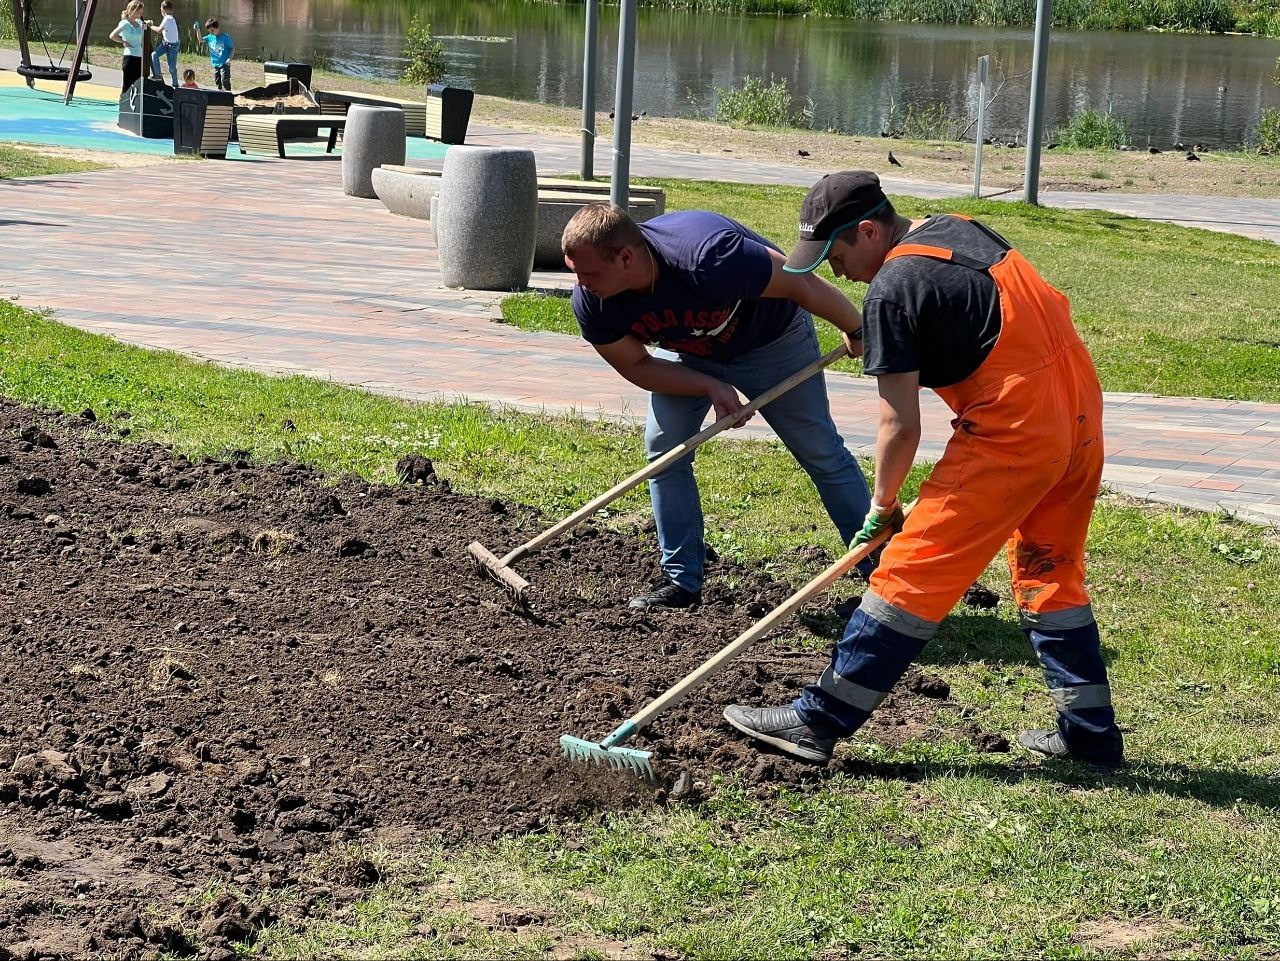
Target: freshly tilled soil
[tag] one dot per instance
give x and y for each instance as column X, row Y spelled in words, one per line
column 214, row 669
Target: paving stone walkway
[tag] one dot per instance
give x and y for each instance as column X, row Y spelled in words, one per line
column 268, row 265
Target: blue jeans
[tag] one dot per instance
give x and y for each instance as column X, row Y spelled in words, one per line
column 170, row 50
column 801, row 418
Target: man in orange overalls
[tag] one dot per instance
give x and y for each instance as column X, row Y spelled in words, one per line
column 953, row 307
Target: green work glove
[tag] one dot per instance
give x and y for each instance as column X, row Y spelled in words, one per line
column 879, row 520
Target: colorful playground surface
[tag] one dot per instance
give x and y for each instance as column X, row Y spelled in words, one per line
column 40, row 116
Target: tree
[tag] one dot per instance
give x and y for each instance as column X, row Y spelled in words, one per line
column 425, row 54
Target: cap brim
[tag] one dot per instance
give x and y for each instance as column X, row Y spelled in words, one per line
column 807, row 256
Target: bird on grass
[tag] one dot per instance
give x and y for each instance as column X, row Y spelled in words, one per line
column 1198, row 148
column 1179, row 145
column 1050, row 146
column 634, row 116
column 1191, row 156
column 803, row 153
column 1154, row 150
column 894, row 160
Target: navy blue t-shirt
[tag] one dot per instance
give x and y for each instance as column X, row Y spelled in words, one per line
column 711, row 273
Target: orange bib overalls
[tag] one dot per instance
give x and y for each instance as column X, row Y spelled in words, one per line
column 1021, row 469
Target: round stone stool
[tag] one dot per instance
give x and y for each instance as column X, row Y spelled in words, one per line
column 486, row 218
column 374, row 136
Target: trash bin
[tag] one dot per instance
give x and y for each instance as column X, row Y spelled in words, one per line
column 202, row 121
column 146, row 109
column 277, row 70
column 448, row 113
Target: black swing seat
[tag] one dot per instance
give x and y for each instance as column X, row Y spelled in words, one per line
column 58, row 74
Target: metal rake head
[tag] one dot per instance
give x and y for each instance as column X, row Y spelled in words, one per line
column 618, row 758
column 488, row 563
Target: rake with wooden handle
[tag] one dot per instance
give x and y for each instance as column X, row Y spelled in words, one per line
column 517, row 587
column 610, row 750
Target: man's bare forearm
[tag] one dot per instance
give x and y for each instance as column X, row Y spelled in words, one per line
column 896, row 446
column 660, row 376
column 824, row 299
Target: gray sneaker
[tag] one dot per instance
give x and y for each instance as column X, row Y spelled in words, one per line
column 1050, row 744
column 782, row 728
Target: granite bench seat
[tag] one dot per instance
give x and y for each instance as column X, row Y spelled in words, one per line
column 407, row 191
column 557, row 207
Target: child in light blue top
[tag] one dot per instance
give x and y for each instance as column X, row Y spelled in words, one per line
column 221, row 49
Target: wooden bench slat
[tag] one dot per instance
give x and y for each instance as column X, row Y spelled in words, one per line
column 268, row 132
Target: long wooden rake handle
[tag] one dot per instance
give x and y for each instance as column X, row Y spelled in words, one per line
column 673, row 455
column 717, row 662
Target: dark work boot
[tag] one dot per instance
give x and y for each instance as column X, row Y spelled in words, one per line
column 1051, row 744
column 782, row 728
column 666, row 595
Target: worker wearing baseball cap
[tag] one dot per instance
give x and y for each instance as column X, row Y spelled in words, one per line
column 951, row 306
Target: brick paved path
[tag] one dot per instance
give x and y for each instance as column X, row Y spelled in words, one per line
column 272, row 267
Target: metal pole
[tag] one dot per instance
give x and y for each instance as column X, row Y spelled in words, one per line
column 982, row 115
column 589, row 90
column 1035, row 120
column 620, row 188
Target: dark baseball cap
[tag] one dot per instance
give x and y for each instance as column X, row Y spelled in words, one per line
column 836, row 202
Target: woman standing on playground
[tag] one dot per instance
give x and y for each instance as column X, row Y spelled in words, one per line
column 128, row 33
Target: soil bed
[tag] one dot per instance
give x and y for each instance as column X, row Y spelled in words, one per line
column 212, row 670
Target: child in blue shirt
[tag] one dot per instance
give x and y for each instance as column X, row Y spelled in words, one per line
column 221, row 48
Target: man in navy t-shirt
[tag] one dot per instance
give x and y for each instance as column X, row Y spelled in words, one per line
column 712, row 297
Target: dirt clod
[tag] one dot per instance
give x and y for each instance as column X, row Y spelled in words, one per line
column 33, row 486
column 352, row 547
column 929, row 685
column 416, row 469
column 980, row 598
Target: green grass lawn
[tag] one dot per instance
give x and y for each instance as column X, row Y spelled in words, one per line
column 1164, row 309
column 932, row 850
column 20, row 162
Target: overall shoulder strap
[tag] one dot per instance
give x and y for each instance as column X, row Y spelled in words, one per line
column 936, row 253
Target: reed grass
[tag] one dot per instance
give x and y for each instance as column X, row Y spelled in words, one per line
column 1094, row 130
column 761, row 103
column 1200, row 16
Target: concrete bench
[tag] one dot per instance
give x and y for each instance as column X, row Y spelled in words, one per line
column 337, row 102
column 267, row 133
column 406, row 191
column 657, row 194
column 485, row 218
column 557, row 207
column 374, row 136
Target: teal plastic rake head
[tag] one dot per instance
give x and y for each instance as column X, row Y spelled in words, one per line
column 608, row 752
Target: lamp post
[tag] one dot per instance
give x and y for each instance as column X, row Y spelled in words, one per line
column 1035, row 120
column 589, row 90
column 620, row 188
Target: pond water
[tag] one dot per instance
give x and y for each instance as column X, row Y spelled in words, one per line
column 854, row 74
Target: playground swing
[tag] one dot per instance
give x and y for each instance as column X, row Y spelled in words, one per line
column 25, row 19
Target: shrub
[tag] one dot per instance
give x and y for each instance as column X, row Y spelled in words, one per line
column 425, row 54
column 932, row 122
column 1094, row 130
column 760, row 104
column 1266, row 139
